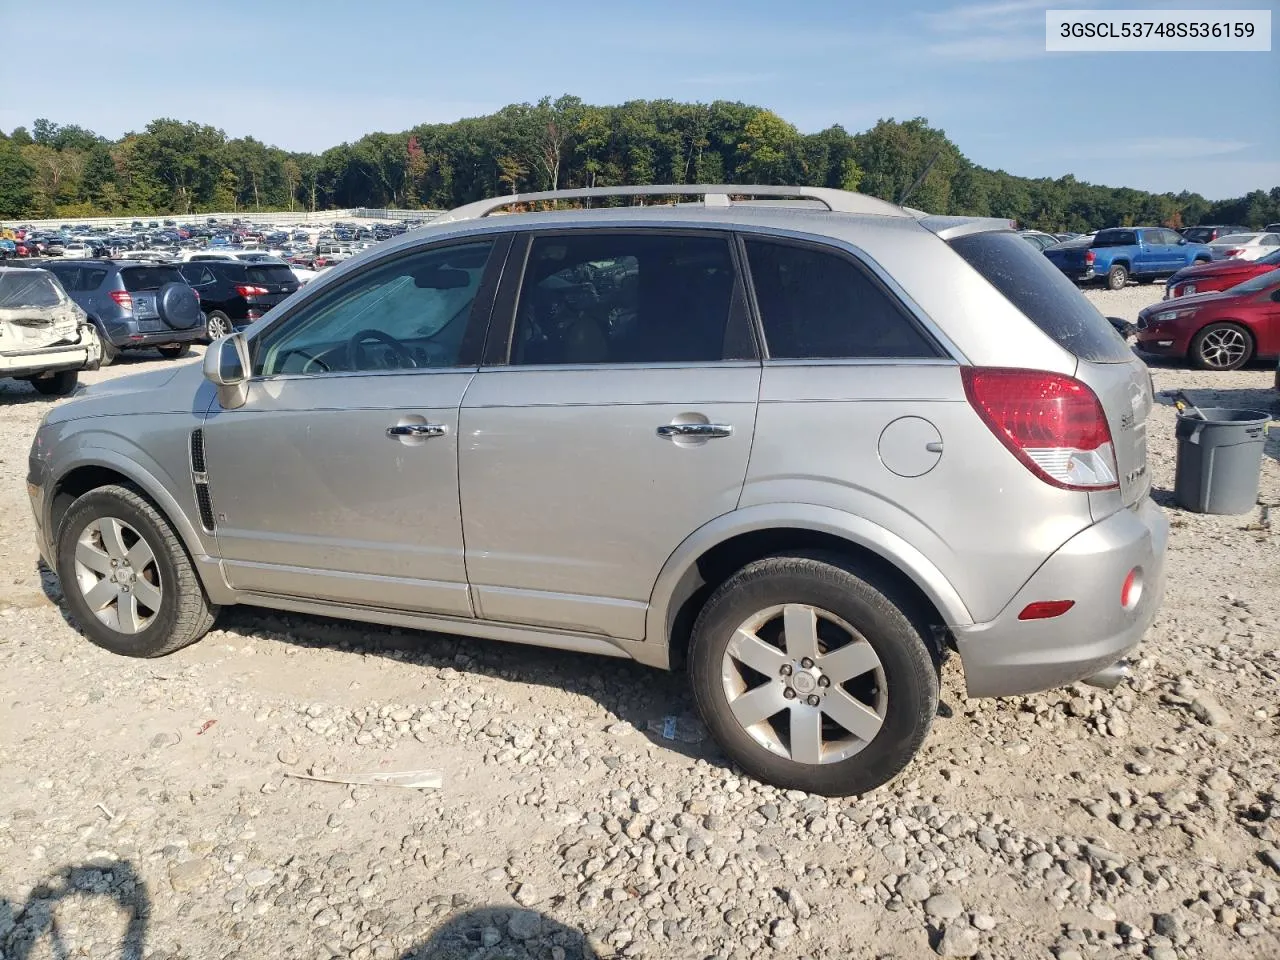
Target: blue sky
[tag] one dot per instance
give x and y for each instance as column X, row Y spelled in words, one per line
column 308, row 76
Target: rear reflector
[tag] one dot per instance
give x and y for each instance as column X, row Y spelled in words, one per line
column 1045, row 609
column 1053, row 423
column 1131, row 591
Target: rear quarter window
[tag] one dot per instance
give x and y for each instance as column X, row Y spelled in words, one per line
column 270, row 274
column 1047, row 298
column 149, row 278
column 1115, row 238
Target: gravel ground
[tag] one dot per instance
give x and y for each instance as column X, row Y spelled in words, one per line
column 154, row 809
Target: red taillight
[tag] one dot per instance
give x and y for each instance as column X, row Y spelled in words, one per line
column 1045, row 609
column 248, row 290
column 1090, row 256
column 1053, row 423
column 123, row 298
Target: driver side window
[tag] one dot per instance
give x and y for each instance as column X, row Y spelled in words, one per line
column 409, row 313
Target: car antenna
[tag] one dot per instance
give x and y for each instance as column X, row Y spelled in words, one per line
column 906, row 194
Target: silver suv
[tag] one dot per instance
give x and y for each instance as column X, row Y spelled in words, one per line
column 801, row 445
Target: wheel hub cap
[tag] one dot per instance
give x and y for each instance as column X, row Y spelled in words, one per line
column 804, row 684
column 117, row 575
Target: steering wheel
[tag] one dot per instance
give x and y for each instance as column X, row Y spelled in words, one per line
column 355, row 352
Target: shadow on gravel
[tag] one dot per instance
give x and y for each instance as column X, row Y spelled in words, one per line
column 656, row 703
column 490, row 933
column 112, row 898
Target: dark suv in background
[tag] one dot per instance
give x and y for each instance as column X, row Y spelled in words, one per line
column 134, row 305
column 1207, row 233
column 234, row 294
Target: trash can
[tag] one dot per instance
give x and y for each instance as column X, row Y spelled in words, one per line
column 1219, row 459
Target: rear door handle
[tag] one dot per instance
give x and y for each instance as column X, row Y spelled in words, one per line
column 700, row 431
column 417, row 430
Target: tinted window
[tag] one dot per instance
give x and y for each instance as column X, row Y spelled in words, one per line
column 91, row 279
column 1047, row 298
column 1270, row 240
column 196, row 274
column 1115, row 238
column 270, row 274
column 149, row 278
column 628, row 298
column 819, row 305
column 409, row 313
column 1198, row 234
column 67, row 275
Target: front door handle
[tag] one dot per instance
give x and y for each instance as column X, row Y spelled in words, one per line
column 417, row 430
column 698, row 431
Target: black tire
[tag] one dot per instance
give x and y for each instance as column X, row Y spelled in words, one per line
column 218, row 325
column 175, row 351
column 1117, row 277
column 893, row 630
column 61, row 384
column 184, row 613
column 108, row 349
column 1207, row 353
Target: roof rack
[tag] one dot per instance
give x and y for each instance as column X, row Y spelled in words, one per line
column 714, row 195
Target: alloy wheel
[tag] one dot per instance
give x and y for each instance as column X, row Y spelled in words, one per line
column 117, row 575
column 1223, row 348
column 804, row 684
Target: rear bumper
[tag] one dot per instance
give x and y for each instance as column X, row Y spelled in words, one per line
column 83, row 355
column 1008, row 656
column 131, row 339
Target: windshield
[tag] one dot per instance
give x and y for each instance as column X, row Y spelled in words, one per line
column 28, row 288
column 1115, row 238
column 270, row 273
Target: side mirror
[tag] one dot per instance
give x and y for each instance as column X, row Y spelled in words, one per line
column 226, row 365
column 1182, row 242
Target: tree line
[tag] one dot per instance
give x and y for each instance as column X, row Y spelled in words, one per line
column 184, row 168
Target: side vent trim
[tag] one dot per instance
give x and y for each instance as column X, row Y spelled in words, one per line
column 200, row 479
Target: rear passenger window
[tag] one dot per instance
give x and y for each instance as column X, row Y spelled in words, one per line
column 629, row 298
column 819, row 305
column 91, row 279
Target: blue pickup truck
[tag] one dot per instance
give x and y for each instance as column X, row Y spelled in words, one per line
column 1115, row 255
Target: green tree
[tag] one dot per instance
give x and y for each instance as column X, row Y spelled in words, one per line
column 16, row 176
column 769, row 151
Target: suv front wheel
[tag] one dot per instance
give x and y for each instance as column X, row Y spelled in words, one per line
column 127, row 577
column 811, row 677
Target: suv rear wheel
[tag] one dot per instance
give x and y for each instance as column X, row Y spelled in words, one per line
column 811, row 677
column 59, row 384
column 219, row 325
column 127, row 577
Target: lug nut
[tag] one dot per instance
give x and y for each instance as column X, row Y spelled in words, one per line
column 806, row 663
column 824, row 681
column 115, row 563
column 813, row 700
column 789, row 694
column 786, row 670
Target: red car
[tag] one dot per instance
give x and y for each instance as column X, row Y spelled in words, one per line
column 1217, row 275
column 1216, row 331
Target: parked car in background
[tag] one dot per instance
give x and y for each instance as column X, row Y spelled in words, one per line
column 1245, row 246
column 1037, row 238
column 1216, row 331
column 1064, row 237
column 77, row 249
column 234, row 294
column 1207, row 233
column 1218, row 275
column 134, row 305
column 682, row 497
column 1118, row 254
column 45, row 338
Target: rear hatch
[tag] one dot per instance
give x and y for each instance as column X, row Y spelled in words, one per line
column 1106, row 364
column 143, row 284
column 275, row 280
column 34, row 311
